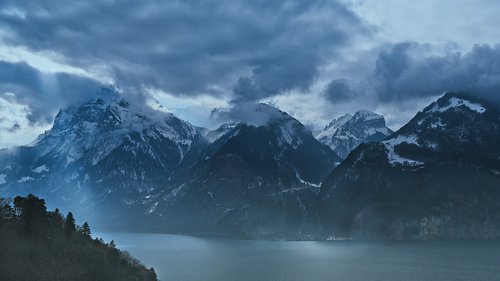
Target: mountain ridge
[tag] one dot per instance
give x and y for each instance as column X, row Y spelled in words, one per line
column 436, row 177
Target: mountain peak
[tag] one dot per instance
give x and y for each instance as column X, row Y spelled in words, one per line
column 346, row 132
column 337, row 122
column 454, row 101
column 367, row 115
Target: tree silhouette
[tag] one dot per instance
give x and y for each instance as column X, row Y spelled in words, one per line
column 69, row 225
column 32, row 212
column 39, row 245
column 85, row 230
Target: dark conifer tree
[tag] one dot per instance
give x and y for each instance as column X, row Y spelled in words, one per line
column 69, row 225
column 85, row 230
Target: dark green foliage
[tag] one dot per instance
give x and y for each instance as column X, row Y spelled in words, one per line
column 39, row 245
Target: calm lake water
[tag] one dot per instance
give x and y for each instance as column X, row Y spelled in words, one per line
column 191, row 258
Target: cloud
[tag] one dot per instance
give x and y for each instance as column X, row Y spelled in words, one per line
column 42, row 93
column 14, row 128
column 258, row 48
column 339, row 90
column 248, row 112
column 406, row 72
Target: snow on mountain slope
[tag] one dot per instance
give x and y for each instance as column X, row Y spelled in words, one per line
column 92, row 130
column 327, row 133
column 346, row 132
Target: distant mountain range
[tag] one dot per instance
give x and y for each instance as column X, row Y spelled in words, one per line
column 346, row 132
column 438, row 176
column 154, row 169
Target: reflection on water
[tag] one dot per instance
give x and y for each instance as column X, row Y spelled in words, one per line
column 189, row 258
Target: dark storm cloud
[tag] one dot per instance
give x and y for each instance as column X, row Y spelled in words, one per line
column 262, row 48
column 44, row 93
column 403, row 73
column 247, row 112
column 411, row 70
column 339, row 90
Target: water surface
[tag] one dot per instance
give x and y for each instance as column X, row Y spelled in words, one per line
column 191, row 258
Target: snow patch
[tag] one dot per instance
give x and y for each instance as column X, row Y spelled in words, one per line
column 394, row 158
column 153, row 208
column 456, row 102
column 305, row 182
column 437, row 124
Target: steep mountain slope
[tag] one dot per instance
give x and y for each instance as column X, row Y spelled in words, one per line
column 436, row 177
column 346, row 132
column 253, row 180
column 103, row 153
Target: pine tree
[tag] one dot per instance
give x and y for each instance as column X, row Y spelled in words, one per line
column 69, row 225
column 85, row 230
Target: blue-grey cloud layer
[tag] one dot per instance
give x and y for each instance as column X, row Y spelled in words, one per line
column 252, row 48
column 409, row 70
column 400, row 75
column 260, row 48
column 44, row 93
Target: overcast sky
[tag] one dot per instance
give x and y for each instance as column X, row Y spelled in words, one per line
column 315, row 59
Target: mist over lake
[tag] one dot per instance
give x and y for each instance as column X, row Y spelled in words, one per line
column 195, row 258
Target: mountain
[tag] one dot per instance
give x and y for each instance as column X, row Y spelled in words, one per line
column 253, row 180
column 104, row 154
column 346, row 132
column 436, row 177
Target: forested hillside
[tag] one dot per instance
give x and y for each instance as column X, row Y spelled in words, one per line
column 36, row 244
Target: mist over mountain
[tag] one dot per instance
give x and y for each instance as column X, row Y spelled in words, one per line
column 147, row 167
column 251, row 181
column 268, row 176
column 105, row 153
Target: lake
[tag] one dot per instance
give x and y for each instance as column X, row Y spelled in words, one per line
column 192, row 258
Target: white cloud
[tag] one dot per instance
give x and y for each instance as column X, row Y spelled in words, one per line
column 12, row 113
column 195, row 110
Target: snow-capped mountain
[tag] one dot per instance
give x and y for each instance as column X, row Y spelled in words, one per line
column 252, row 180
column 103, row 149
column 213, row 135
column 436, row 177
column 346, row 132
